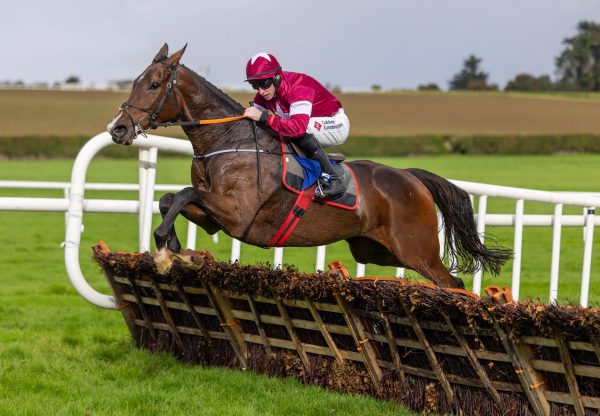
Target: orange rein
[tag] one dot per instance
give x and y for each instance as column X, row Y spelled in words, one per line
column 201, row 122
column 221, row 120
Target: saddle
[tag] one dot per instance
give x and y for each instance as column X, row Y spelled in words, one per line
column 299, row 173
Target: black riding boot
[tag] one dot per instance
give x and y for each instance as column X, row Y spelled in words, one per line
column 330, row 184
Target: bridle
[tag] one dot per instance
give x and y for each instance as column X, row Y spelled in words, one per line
column 153, row 114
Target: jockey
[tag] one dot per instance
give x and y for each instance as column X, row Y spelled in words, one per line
column 299, row 107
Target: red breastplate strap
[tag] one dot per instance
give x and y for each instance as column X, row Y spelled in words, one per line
column 291, row 221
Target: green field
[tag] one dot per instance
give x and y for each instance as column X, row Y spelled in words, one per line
column 75, row 113
column 60, row 355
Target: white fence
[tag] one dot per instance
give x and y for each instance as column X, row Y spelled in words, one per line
column 74, row 204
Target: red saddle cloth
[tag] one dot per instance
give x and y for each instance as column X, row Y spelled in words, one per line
column 293, row 177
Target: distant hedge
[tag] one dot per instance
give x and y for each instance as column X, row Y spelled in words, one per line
column 52, row 147
column 68, row 147
column 474, row 145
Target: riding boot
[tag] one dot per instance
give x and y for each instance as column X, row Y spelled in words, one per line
column 330, row 183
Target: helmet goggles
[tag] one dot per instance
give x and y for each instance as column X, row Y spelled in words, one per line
column 261, row 83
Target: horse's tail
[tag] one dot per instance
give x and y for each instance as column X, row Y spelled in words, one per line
column 462, row 239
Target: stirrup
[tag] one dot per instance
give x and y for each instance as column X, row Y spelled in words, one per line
column 323, row 191
column 319, row 190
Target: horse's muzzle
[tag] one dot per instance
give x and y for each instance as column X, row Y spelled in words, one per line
column 121, row 135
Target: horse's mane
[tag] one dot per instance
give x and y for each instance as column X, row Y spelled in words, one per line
column 216, row 91
column 234, row 105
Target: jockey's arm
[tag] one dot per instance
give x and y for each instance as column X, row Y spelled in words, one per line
column 296, row 124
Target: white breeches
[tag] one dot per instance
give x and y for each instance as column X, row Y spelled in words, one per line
column 330, row 131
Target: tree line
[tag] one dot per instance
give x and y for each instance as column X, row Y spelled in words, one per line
column 577, row 68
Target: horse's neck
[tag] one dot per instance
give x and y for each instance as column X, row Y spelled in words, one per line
column 203, row 102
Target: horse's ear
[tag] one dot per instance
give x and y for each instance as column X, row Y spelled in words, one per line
column 163, row 53
column 174, row 59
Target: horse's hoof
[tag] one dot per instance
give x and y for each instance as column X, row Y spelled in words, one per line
column 163, row 261
column 194, row 259
column 191, row 259
column 459, row 283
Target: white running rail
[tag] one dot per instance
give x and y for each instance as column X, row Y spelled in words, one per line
column 74, row 204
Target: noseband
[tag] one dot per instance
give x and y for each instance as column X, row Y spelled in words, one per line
column 153, row 115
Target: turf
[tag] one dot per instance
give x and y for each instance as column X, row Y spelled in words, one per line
column 59, row 355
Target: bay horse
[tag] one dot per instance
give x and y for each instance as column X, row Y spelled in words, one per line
column 395, row 223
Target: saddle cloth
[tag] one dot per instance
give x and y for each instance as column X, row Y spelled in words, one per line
column 299, row 173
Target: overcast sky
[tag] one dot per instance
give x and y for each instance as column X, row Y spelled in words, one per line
column 397, row 44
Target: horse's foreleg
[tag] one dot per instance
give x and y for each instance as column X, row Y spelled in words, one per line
column 171, row 240
column 191, row 213
column 170, row 206
column 201, row 207
column 196, row 215
column 165, row 237
column 221, row 212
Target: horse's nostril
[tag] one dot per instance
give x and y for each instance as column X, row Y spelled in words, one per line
column 119, row 131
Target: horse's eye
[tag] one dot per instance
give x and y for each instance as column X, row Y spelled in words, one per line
column 154, row 85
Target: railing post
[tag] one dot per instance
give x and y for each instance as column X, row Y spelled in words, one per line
column 236, row 248
column 66, row 191
column 587, row 257
column 191, row 236
column 557, row 224
column 148, row 177
column 143, row 156
column 278, row 258
column 481, row 210
column 320, row 262
column 441, row 234
column 360, row 270
column 146, row 205
column 517, row 249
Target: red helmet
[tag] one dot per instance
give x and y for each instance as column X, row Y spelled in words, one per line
column 261, row 66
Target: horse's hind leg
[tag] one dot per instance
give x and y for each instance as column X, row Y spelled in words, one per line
column 405, row 254
column 434, row 270
column 423, row 257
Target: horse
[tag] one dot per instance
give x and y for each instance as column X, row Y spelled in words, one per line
column 395, row 223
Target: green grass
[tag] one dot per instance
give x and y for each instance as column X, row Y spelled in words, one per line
column 60, row 355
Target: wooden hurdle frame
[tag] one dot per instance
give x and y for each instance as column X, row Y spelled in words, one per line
column 451, row 365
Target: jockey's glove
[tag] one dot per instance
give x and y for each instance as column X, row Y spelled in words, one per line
column 264, row 117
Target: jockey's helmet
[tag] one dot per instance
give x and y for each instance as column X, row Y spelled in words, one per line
column 262, row 66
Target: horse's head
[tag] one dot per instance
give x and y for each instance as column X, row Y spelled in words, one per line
column 153, row 99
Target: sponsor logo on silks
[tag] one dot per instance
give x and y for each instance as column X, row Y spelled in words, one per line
column 317, row 126
column 337, row 126
column 328, row 121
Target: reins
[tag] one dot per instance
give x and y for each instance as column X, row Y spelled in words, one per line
column 218, row 152
column 200, row 122
column 171, row 87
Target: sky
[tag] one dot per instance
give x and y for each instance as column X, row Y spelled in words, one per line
column 396, row 44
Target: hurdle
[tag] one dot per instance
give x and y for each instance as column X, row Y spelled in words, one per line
column 434, row 350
